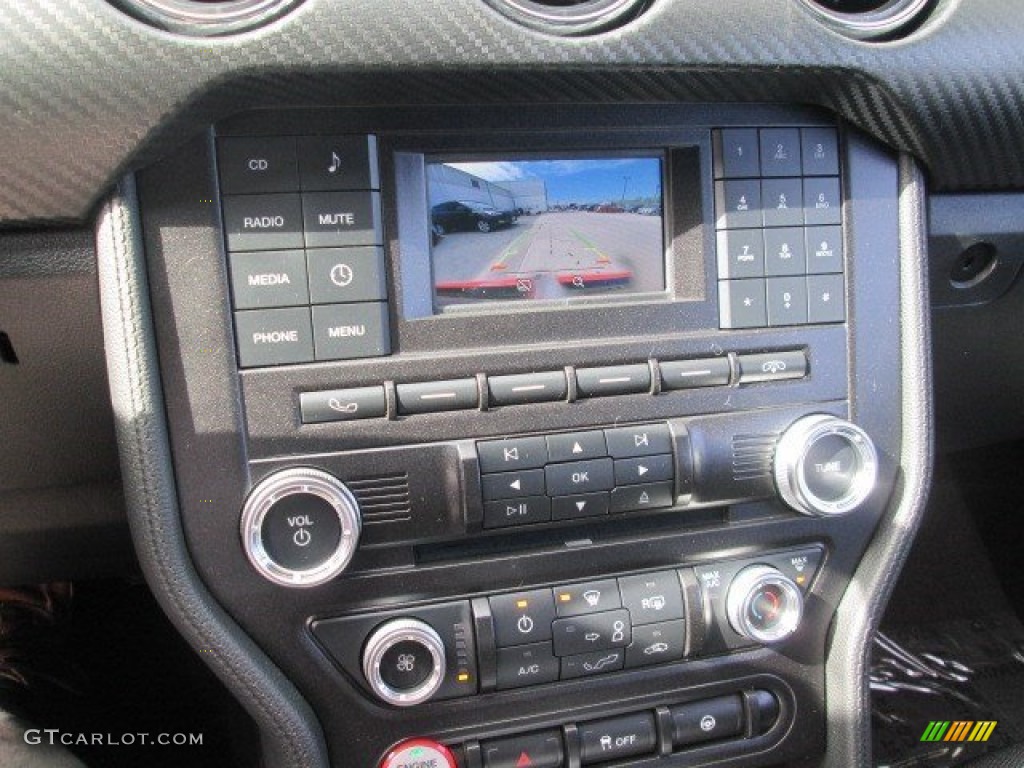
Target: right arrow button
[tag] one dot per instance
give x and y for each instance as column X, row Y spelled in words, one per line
column 644, row 469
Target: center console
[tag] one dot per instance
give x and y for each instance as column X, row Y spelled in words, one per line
column 533, row 437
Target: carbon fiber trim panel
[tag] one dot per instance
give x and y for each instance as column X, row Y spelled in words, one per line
column 89, row 92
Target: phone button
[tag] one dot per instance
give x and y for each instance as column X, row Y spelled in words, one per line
column 342, row 405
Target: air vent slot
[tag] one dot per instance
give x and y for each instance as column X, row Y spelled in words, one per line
column 571, row 17
column 383, row 499
column 753, row 456
column 870, row 19
column 206, row 17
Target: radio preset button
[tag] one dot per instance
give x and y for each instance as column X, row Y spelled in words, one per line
column 690, row 374
column 772, row 366
column 522, row 618
column 826, row 299
column 780, row 152
column 581, row 505
column 644, row 440
column 329, row 163
column 524, row 388
column 341, row 219
column 269, row 279
column 576, row 446
column 342, row 405
column 591, row 632
column 596, row 663
column 351, row 331
column 579, row 477
column 824, row 250
column 637, row 498
column 656, row 644
column 645, row 469
column 617, row 738
column 820, row 149
column 273, row 337
column 783, row 203
column 512, row 485
column 822, row 204
column 742, row 303
column 740, row 253
column 738, row 204
column 514, row 453
column 263, row 164
column 613, row 380
column 507, row 513
column 784, row 252
column 437, row 396
column 787, row 300
column 339, row 275
column 262, row 222
column 526, row 665
column 591, row 597
column 736, row 153
column 652, row 597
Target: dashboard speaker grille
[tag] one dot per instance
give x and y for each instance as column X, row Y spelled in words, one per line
column 752, row 455
column 383, row 499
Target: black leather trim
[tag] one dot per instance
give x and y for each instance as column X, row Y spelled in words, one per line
column 860, row 612
column 1011, row 757
column 291, row 736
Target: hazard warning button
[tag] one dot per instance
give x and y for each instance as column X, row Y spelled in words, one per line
column 420, row 753
column 531, row 750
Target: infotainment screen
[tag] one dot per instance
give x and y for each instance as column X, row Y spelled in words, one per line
column 547, row 229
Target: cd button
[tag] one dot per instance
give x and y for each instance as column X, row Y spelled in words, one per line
column 579, row 477
column 522, row 511
column 613, row 380
column 637, row 498
column 526, row 665
column 249, row 165
column 514, row 453
column 522, row 618
column 582, row 505
column 645, row 440
column 576, row 446
column 591, row 597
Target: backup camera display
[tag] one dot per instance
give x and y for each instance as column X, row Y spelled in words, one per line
column 547, row 229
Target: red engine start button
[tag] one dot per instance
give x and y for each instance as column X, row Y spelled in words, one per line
column 419, row 753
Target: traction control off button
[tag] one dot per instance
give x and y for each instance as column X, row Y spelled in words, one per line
column 419, row 753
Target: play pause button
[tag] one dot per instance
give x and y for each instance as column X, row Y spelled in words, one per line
column 583, row 505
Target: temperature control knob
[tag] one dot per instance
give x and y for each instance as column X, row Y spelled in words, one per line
column 404, row 662
column 825, row 466
column 764, row 605
column 300, row 527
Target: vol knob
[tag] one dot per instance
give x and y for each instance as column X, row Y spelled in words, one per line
column 825, row 466
column 300, row 527
column 404, row 662
column 764, row 605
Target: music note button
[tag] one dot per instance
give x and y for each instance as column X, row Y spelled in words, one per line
column 338, row 163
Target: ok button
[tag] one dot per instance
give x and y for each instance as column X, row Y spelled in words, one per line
column 579, row 477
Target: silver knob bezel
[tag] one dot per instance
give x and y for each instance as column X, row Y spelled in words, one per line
column 281, row 485
column 386, row 637
column 742, row 591
column 791, row 480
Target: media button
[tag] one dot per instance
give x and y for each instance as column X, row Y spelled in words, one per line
column 351, row 331
column 640, row 497
column 652, row 597
column 273, row 337
column 644, row 440
column 576, row 446
column 512, row 485
column 262, row 222
column 328, row 163
column 579, row 477
column 613, row 380
column 522, row 511
column 339, row 275
column 342, row 405
column 261, row 164
column 514, row 453
column 269, row 279
column 341, row 219
column 591, row 597
column 580, row 505
column 526, row 665
column 523, row 617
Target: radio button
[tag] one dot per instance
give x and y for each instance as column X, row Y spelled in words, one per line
column 618, row 738
column 261, row 164
column 582, row 505
column 591, row 632
column 780, row 152
column 351, row 331
column 579, row 477
column 822, row 204
column 613, row 380
column 269, row 279
column 772, row 366
column 646, row 469
column 592, row 597
column 512, row 512
column 523, row 617
column 783, row 203
column 656, row 644
column 338, row 162
column 526, row 665
column 437, row 396
column 742, row 303
column 652, row 597
column 637, row 498
column 342, row 405
column 527, row 388
column 273, row 337
column 339, row 275
column 738, row 204
column 513, row 485
column 341, row 218
column 514, row 453
column 596, row 663
column 262, row 222
column 576, row 446
column 645, row 440
column 690, row 374
column 820, row 151
column 787, row 301
column 736, row 153
column 740, row 253
column 784, row 252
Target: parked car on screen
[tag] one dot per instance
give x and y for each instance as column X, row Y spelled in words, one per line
column 468, row 216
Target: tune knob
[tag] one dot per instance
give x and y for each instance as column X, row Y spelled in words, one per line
column 404, row 662
column 825, row 466
column 300, row 527
column 764, row 605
